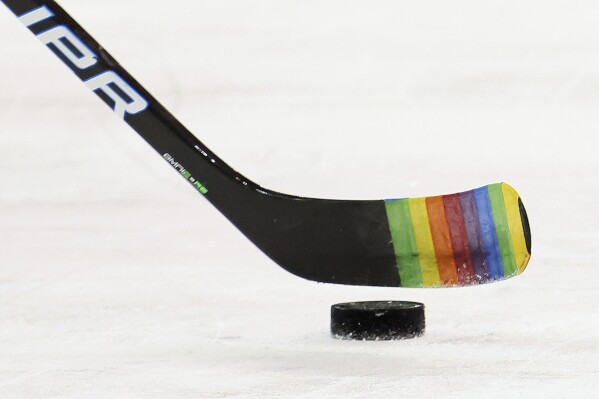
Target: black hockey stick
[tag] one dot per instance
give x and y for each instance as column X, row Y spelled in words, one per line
column 460, row 239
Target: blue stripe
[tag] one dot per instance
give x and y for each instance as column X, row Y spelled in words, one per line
column 472, row 224
column 488, row 232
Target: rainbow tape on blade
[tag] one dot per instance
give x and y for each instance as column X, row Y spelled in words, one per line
column 476, row 236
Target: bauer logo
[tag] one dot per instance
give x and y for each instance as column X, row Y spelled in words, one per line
column 109, row 85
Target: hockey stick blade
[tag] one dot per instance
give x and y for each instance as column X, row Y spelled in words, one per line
column 454, row 240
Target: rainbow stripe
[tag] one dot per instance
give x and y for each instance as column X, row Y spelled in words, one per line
column 459, row 239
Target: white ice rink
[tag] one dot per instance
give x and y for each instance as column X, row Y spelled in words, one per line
column 117, row 280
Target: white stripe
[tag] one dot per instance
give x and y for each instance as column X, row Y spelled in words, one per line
column 35, row 16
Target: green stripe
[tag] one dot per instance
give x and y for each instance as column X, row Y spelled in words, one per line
column 503, row 230
column 404, row 243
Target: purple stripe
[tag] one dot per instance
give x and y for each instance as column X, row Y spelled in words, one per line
column 472, row 224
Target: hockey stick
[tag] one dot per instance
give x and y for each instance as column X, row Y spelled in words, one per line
column 460, row 239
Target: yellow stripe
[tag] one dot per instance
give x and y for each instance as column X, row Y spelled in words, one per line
column 512, row 211
column 424, row 242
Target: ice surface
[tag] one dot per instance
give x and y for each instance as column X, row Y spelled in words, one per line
column 117, row 280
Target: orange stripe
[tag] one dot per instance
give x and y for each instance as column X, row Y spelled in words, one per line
column 441, row 240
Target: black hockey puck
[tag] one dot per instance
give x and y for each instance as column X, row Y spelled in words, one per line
column 377, row 320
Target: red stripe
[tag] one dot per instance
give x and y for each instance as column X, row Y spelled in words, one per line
column 459, row 238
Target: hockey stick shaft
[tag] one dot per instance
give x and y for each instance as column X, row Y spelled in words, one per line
column 102, row 74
